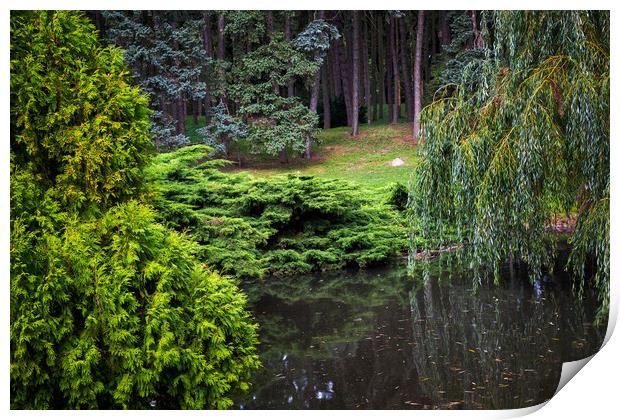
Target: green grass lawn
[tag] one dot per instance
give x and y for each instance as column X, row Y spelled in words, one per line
column 338, row 155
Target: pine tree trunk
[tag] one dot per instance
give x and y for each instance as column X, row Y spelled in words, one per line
column 314, row 97
column 394, row 58
column 334, row 61
column 381, row 64
column 283, row 154
column 208, row 46
column 405, row 70
column 181, row 112
column 366, row 72
column 180, row 105
column 196, row 111
column 478, row 41
column 416, row 74
column 389, row 87
column 325, row 94
column 344, row 75
column 221, row 56
column 290, row 87
column 355, row 82
column 445, row 29
column 373, row 70
column 226, row 143
column 426, row 49
column 314, row 102
column 433, row 35
column 270, row 24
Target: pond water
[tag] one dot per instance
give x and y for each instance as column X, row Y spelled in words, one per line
column 377, row 339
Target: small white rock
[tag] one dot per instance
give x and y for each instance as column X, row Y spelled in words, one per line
column 397, row 162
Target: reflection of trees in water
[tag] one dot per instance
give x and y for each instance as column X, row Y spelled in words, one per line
column 339, row 342
column 363, row 341
column 501, row 347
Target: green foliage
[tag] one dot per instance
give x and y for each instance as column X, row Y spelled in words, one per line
column 222, row 128
column 459, row 64
column 316, row 38
column 460, row 53
column 275, row 122
column 109, row 309
column 531, row 141
column 114, row 312
column 247, row 25
column 75, row 120
column 165, row 51
column 282, row 225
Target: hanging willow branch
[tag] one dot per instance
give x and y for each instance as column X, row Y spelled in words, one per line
column 528, row 142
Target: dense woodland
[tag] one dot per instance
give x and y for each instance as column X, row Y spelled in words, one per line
column 266, row 75
column 130, row 232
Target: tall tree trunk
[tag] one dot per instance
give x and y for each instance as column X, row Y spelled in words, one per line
column 445, row 29
column 395, row 76
column 426, row 48
column 221, row 56
column 405, row 70
column 478, row 41
column 325, row 93
column 208, row 46
column 314, row 97
column 373, row 69
column 355, row 82
column 181, row 112
column 314, row 102
column 270, row 34
column 344, row 75
column 334, row 61
column 389, row 85
column 433, row 35
column 416, row 74
column 290, row 87
column 283, row 154
column 180, row 105
column 381, row 64
column 366, row 71
column 196, row 111
column 270, row 25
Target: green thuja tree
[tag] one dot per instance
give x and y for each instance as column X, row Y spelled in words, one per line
column 108, row 309
column 528, row 142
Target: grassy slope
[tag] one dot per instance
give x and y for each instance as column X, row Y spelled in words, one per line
column 338, row 155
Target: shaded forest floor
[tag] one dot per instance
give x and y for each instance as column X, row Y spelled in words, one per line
column 365, row 160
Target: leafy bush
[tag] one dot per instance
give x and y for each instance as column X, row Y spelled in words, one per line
column 76, row 121
column 114, row 312
column 109, row 309
column 283, row 225
column 530, row 139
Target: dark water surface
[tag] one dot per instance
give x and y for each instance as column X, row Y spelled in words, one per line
column 377, row 339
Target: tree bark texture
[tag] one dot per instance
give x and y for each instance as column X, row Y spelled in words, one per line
column 416, row 74
column 356, row 70
column 405, row 70
column 395, row 76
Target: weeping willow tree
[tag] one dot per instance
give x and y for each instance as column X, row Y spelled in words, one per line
column 520, row 140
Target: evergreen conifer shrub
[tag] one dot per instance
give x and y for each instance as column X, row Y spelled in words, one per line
column 109, row 309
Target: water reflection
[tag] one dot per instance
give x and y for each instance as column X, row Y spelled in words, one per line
column 370, row 339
